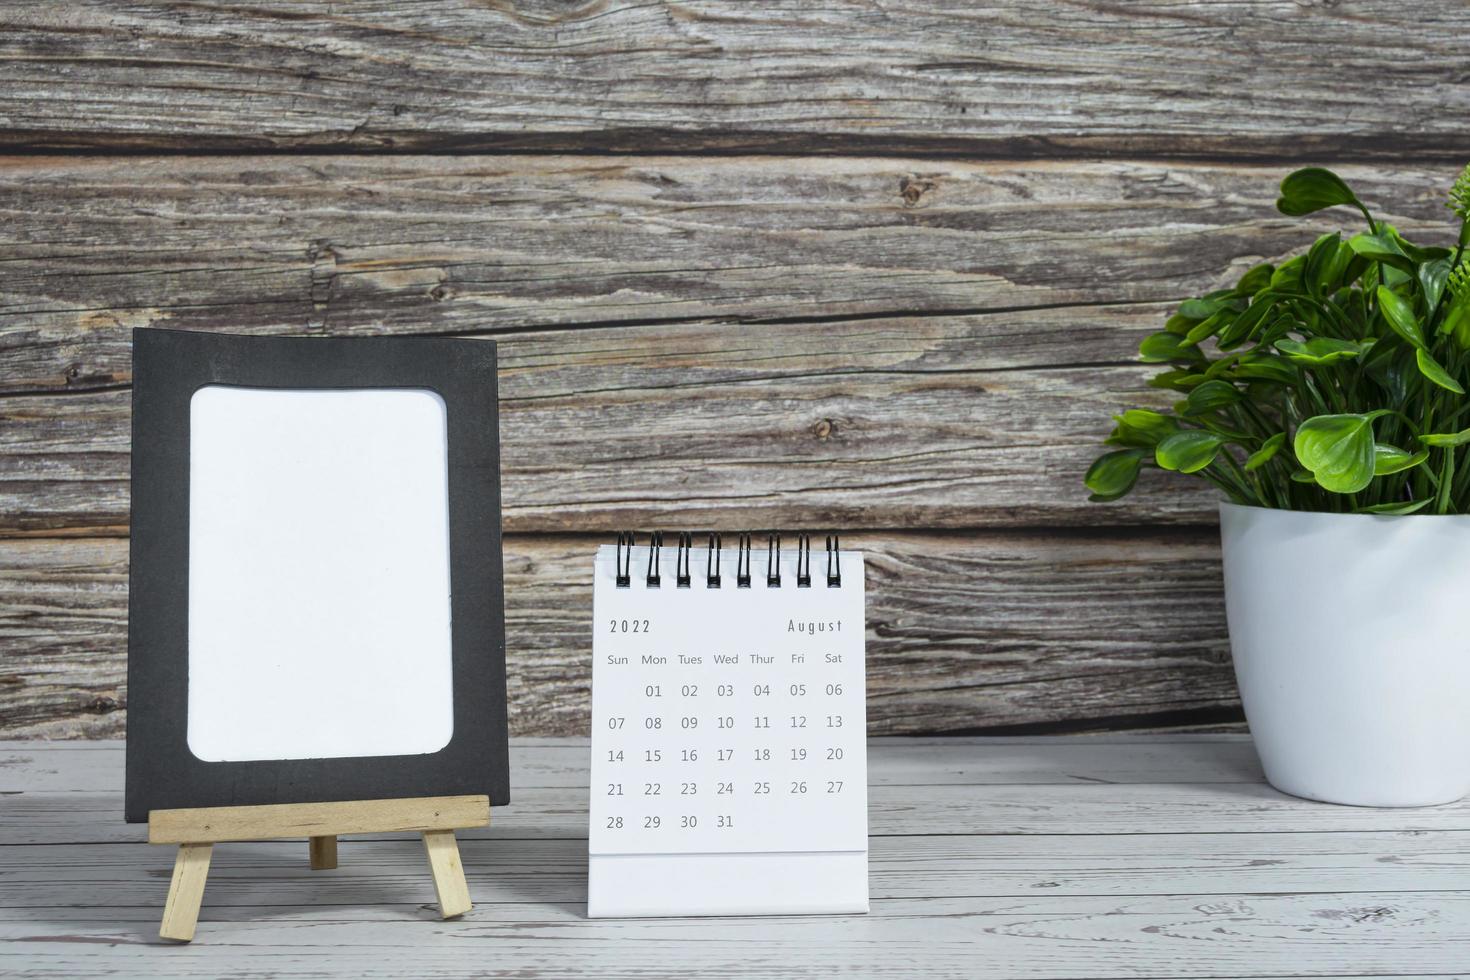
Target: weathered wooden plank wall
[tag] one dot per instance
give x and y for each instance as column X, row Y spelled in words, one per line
column 872, row 266
column 1033, row 77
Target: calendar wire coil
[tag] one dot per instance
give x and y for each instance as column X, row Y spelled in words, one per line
column 655, row 562
column 714, row 564
column 625, row 559
column 834, row 563
column 681, row 560
column 742, row 563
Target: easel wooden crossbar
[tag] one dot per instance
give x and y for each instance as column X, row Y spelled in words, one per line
column 196, row 831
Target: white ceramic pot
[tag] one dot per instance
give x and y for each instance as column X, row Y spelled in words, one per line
column 1351, row 637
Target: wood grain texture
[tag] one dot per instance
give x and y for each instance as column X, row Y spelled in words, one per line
column 948, row 809
column 1354, row 935
column 862, row 404
column 212, row 824
column 1365, row 77
column 825, row 313
column 322, row 853
column 94, row 766
column 917, row 866
column 966, row 631
column 352, row 245
column 185, row 892
column 1129, row 874
column 450, row 888
column 910, row 432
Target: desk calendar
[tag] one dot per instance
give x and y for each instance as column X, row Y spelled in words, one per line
column 729, row 755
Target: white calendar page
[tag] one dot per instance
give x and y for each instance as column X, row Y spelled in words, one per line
column 729, row 754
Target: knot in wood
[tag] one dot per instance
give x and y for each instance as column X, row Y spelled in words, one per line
column 102, row 704
column 911, row 189
column 823, row 429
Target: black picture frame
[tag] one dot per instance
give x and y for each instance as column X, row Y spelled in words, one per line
column 168, row 367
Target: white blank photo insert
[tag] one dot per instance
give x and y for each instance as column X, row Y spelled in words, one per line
column 319, row 615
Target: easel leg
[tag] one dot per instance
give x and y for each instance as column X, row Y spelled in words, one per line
column 444, row 865
column 324, row 853
column 186, row 892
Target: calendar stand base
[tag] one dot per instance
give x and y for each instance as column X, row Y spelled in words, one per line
column 196, row 831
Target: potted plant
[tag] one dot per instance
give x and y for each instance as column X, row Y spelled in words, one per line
column 1325, row 398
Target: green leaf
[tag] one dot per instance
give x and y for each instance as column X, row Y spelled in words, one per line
column 1164, row 346
column 1393, row 277
column 1354, row 274
column 1201, row 309
column 1432, row 278
column 1419, row 254
column 1221, row 366
column 1267, row 368
column 1205, row 328
column 1210, row 397
column 1319, row 350
column 1189, row 450
column 1262, row 456
column 1446, row 440
column 1322, row 265
column 1395, row 507
column 1288, row 274
column 1175, row 380
column 1338, row 450
column 1113, row 474
column 1180, row 325
column 1147, row 420
column 1400, row 316
column 1244, row 324
column 1312, row 189
column 1432, row 370
column 1457, row 324
column 1257, row 279
column 1381, row 249
column 1391, row 365
column 1391, row 459
column 1280, row 325
column 1142, row 428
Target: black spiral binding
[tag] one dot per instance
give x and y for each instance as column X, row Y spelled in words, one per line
column 714, row 565
column 681, row 561
column 625, row 559
column 655, row 559
column 804, row 561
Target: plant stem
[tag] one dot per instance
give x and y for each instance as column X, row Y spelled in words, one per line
column 1446, row 479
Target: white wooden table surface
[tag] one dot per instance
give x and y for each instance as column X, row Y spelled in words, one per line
column 994, row 858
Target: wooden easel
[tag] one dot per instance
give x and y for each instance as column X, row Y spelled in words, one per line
column 196, row 831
